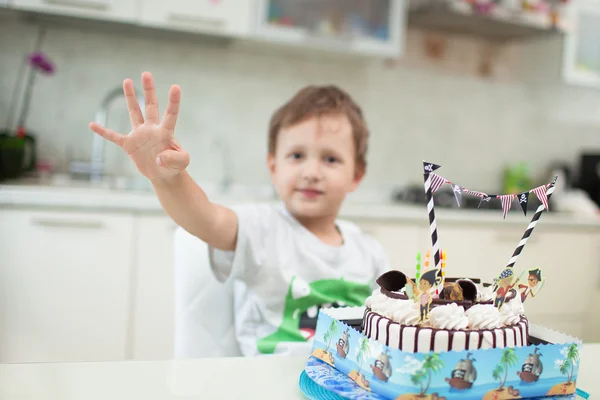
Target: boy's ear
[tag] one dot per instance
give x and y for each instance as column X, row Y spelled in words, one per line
column 359, row 174
column 271, row 163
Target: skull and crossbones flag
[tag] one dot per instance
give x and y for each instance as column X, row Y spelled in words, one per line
column 523, row 201
column 485, row 198
column 457, row 193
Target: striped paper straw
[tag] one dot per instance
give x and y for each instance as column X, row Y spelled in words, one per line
column 532, row 225
column 428, row 168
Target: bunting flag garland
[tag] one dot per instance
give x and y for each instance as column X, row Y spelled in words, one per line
column 506, row 203
column 436, row 181
column 523, row 201
column 540, row 192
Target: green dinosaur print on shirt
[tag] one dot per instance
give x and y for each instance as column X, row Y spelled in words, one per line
column 301, row 297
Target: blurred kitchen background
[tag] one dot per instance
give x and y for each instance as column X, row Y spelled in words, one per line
column 503, row 94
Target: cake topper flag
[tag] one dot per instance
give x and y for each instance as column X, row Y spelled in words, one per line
column 436, row 182
column 523, row 201
column 506, row 203
column 542, row 194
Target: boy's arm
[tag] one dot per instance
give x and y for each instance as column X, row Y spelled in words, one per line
column 152, row 146
column 187, row 204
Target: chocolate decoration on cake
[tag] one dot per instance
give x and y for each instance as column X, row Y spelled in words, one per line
column 469, row 290
column 392, row 281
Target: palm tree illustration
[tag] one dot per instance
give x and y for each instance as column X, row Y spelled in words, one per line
column 431, row 364
column 331, row 332
column 363, row 350
column 497, row 373
column 571, row 358
column 417, row 379
column 508, row 359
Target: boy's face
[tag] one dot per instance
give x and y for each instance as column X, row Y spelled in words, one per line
column 314, row 167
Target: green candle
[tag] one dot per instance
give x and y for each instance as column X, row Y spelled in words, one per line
column 418, row 275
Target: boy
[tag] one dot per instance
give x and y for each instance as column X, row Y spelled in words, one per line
column 286, row 260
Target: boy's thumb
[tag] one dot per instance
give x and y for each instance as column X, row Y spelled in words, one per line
column 176, row 159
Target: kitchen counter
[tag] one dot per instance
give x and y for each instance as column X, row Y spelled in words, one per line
column 374, row 207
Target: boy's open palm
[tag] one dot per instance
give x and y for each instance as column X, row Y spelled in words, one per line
column 151, row 144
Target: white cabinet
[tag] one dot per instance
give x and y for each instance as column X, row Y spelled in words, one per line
column 153, row 293
column 581, row 54
column 221, row 17
column 374, row 27
column 118, row 10
column 64, row 285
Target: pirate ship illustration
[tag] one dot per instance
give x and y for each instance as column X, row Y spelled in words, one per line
column 382, row 369
column 464, row 374
column 532, row 368
column 343, row 344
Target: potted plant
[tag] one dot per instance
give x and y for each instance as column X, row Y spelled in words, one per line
column 18, row 150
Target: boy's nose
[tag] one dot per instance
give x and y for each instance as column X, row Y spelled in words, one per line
column 311, row 171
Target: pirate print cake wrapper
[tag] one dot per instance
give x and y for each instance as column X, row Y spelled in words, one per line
column 545, row 369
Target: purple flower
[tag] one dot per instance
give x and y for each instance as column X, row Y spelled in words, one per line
column 39, row 61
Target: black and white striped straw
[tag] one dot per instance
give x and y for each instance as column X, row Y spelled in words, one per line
column 428, row 168
column 532, row 225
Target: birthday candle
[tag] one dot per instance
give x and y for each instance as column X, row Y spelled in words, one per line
column 418, row 275
column 427, row 255
column 443, row 265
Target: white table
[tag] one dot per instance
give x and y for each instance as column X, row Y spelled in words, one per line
column 210, row 378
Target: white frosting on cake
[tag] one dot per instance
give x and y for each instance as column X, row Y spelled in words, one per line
column 399, row 310
column 510, row 312
column 483, row 316
column 449, row 316
column 408, row 313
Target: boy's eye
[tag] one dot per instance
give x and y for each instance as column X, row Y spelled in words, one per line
column 331, row 159
column 296, row 156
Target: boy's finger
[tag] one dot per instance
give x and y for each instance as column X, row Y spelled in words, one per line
column 135, row 114
column 150, row 98
column 108, row 134
column 175, row 159
column 172, row 111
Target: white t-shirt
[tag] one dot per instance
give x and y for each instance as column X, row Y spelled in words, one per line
column 283, row 273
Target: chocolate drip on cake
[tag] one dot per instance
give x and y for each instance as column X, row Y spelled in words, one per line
column 387, row 332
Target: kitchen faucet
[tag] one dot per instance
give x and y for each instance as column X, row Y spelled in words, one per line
column 94, row 169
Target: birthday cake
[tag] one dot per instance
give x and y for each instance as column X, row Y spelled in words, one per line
column 462, row 317
column 429, row 336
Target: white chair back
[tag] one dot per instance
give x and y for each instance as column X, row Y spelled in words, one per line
column 204, row 323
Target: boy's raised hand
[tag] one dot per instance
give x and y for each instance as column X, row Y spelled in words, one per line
column 151, row 144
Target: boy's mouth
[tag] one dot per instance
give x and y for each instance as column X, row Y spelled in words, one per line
column 310, row 193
